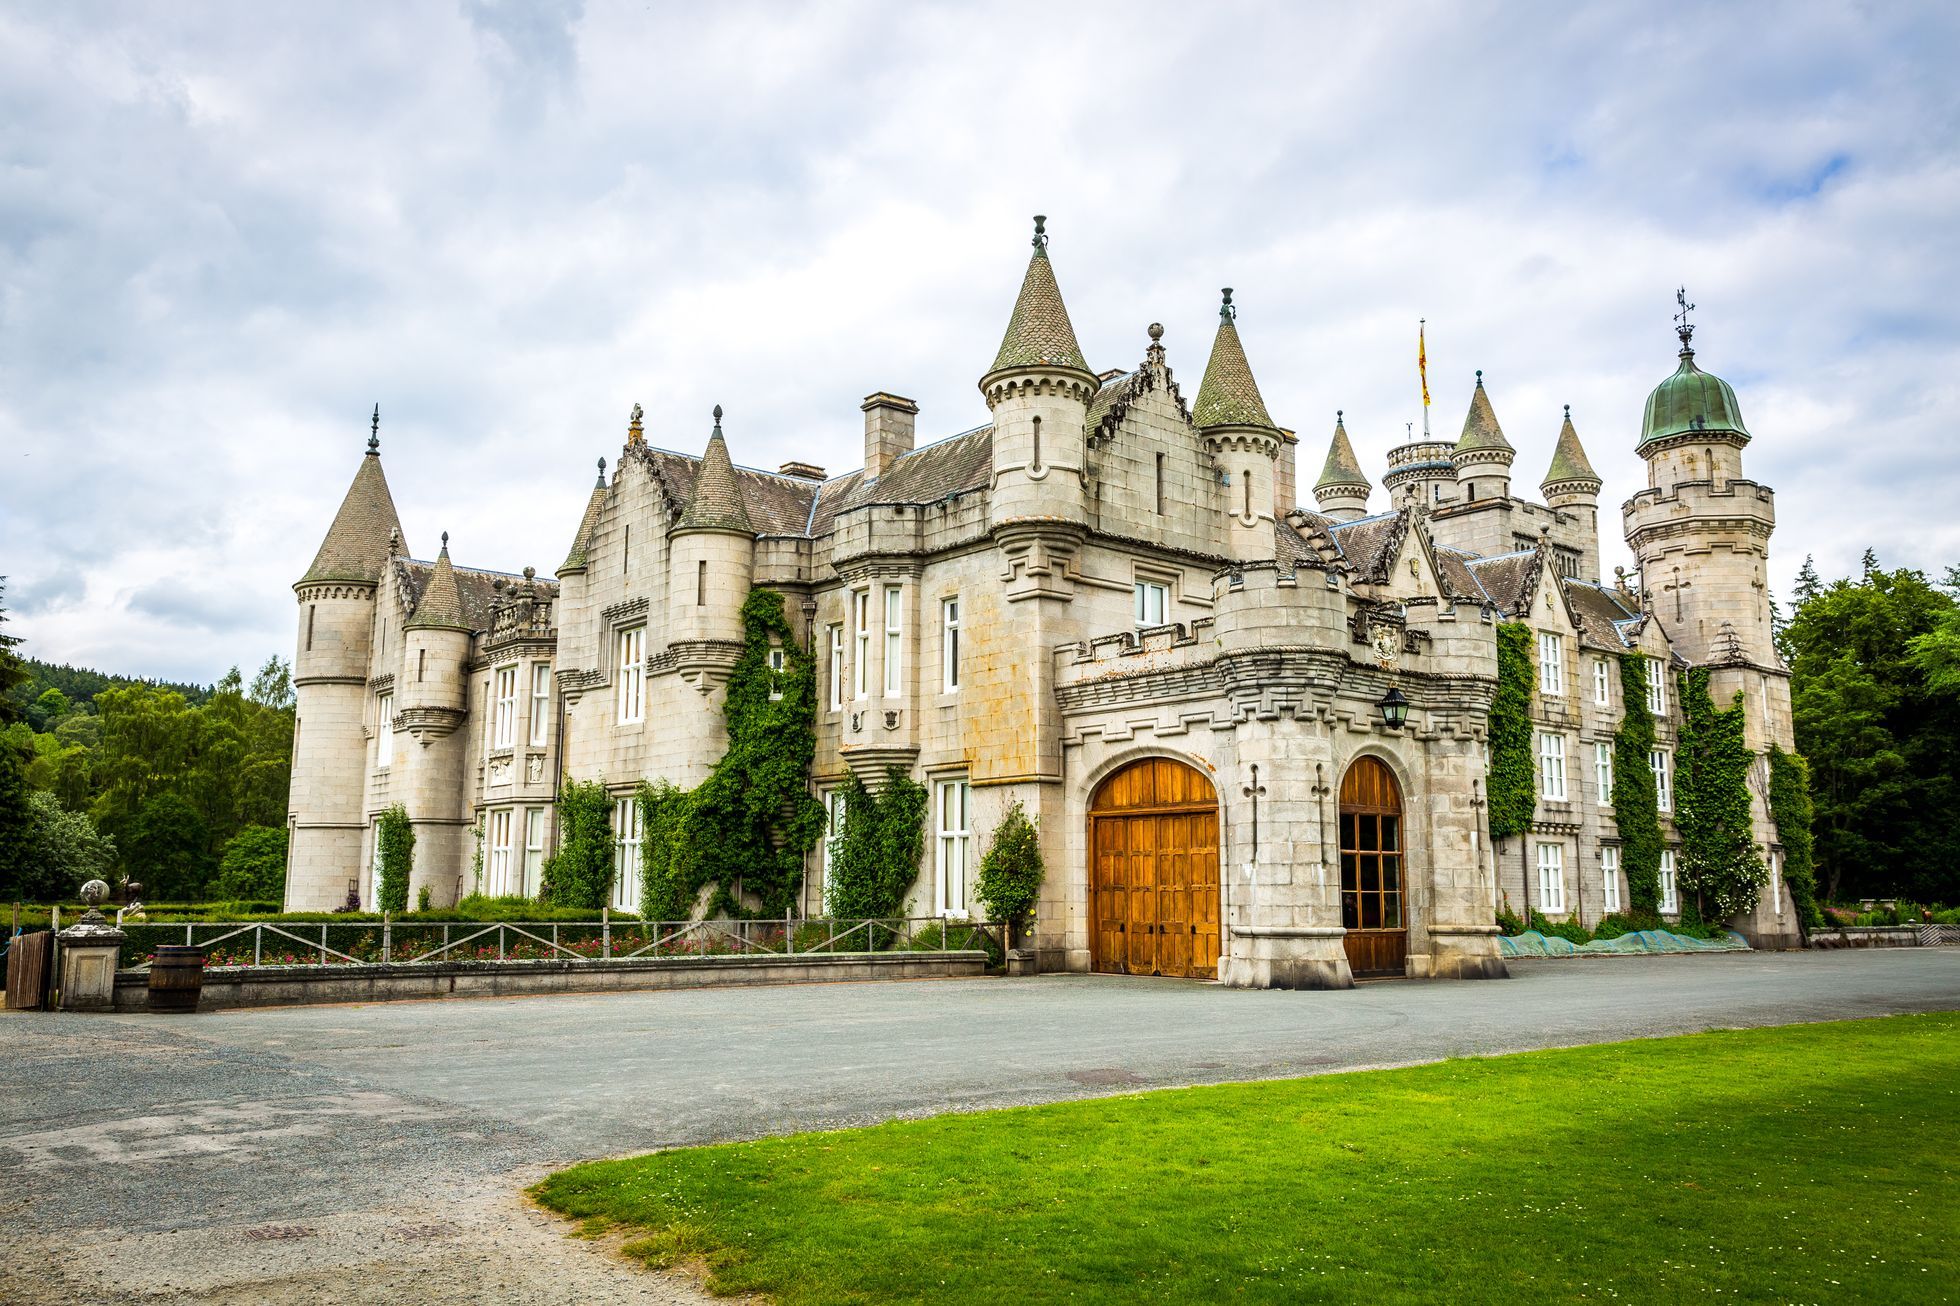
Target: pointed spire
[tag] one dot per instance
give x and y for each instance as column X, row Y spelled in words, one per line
column 1480, row 428
column 1569, row 461
column 356, row 547
column 716, row 503
column 1228, row 396
column 441, row 604
column 1342, row 467
column 1039, row 334
column 582, row 542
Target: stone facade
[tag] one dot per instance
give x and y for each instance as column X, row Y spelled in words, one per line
column 1102, row 574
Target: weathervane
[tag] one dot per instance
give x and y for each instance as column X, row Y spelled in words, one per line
column 1686, row 328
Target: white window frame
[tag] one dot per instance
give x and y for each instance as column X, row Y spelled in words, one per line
column 496, row 877
column 778, row 663
column 384, row 730
column 374, row 864
column 894, row 648
column 532, row 874
column 1153, row 603
column 861, row 640
column 833, row 806
column 1551, row 878
column 626, row 854
column 1551, row 766
column 503, row 731
column 1602, row 682
column 836, row 666
column 540, row 704
column 953, row 839
column 1663, row 780
column 1670, row 889
column 1657, row 686
column 949, row 644
column 629, row 693
column 1603, row 771
column 1775, row 860
column 1609, row 870
column 1551, row 664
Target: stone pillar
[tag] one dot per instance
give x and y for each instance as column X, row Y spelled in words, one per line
column 89, row 949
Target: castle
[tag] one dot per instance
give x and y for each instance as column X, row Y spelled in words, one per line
column 1252, row 734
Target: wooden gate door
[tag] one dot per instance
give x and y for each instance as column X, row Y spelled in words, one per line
column 1372, row 904
column 1153, row 862
column 29, row 970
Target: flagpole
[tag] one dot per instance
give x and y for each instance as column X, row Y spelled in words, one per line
column 1422, row 366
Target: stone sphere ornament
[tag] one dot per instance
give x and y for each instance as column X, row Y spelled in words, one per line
column 95, row 893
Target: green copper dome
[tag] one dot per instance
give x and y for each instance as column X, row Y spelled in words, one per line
column 1690, row 401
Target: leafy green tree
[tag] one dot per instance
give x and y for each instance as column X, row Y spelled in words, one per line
column 17, row 871
column 1790, row 808
column 64, row 852
column 167, row 849
column 12, row 674
column 253, row 865
column 1011, row 869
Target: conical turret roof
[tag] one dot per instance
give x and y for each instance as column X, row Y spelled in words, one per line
column 716, row 504
column 441, row 607
column 582, row 542
column 1039, row 334
column 356, row 547
column 1342, row 467
column 1228, row 396
column 1569, row 461
column 1480, row 428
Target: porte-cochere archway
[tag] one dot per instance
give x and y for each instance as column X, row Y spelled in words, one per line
column 1153, row 871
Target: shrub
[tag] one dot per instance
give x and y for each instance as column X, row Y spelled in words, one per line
column 957, row 937
column 253, row 865
column 1507, row 920
column 422, row 898
column 1627, row 922
column 1790, row 807
column 394, row 850
column 1011, row 869
column 1569, row 930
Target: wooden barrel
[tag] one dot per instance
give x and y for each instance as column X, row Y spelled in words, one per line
column 176, row 978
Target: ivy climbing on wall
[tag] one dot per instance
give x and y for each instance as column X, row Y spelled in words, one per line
column 876, row 858
column 394, row 852
column 1789, row 807
column 580, row 873
column 1722, row 872
column 1512, row 787
column 746, row 829
column 1636, row 802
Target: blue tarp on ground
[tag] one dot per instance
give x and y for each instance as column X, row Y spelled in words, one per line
column 1533, row 944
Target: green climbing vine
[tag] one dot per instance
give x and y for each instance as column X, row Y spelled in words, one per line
column 1789, row 807
column 1512, row 785
column 1721, row 870
column 1636, row 802
column 394, row 852
column 580, row 873
column 877, row 855
column 747, row 828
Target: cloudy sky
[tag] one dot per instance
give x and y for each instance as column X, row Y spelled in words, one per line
column 227, row 230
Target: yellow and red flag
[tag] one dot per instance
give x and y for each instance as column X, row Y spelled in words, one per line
column 1422, row 359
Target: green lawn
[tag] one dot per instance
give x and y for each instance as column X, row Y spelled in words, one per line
column 1808, row 1163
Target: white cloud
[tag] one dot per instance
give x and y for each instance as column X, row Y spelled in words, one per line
column 224, row 235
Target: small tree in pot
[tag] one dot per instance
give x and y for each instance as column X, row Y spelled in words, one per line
column 1011, row 871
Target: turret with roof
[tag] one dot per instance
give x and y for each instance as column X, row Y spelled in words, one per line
column 356, row 546
column 1482, row 456
column 576, row 559
column 1343, row 488
column 1240, row 436
column 1571, row 485
column 1039, row 389
column 1692, row 428
column 711, row 554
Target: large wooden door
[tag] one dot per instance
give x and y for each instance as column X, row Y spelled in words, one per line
column 1373, row 907
column 1153, row 872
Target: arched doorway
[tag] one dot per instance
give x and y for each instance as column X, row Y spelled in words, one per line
column 1153, row 871
column 1372, row 904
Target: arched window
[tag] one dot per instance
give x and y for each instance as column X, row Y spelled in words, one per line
column 1371, row 848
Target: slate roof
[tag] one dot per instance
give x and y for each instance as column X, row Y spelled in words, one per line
column 716, row 501
column 1480, row 428
column 1342, row 467
column 440, row 603
column 1569, row 461
column 356, row 546
column 1509, row 579
column 1606, row 617
column 476, row 591
column 1370, row 543
column 1458, row 577
column 1039, row 333
column 1690, row 400
column 582, row 542
column 1228, row 396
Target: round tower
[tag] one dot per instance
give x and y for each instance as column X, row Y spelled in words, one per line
column 1241, row 438
column 1482, row 456
column 711, row 553
column 431, row 702
column 1571, row 485
column 1342, row 490
column 1039, row 390
column 333, row 717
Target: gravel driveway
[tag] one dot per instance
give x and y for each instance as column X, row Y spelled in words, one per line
column 377, row 1153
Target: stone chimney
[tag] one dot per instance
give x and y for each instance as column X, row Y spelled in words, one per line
column 1286, row 474
column 888, row 429
column 801, row 471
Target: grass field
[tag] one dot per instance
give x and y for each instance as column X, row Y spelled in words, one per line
column 1806, row 1163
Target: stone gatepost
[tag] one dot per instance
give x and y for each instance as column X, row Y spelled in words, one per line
column 89, row 949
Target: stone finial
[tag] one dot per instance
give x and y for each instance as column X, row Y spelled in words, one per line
column 1225, row 310
column 394, row 541
column 1041, row 231
column 374, row 431
column 1155, row 353
column 602, row 471
column 717, row 419
column 445, row 541
column 635, row 427
column 530, row 573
